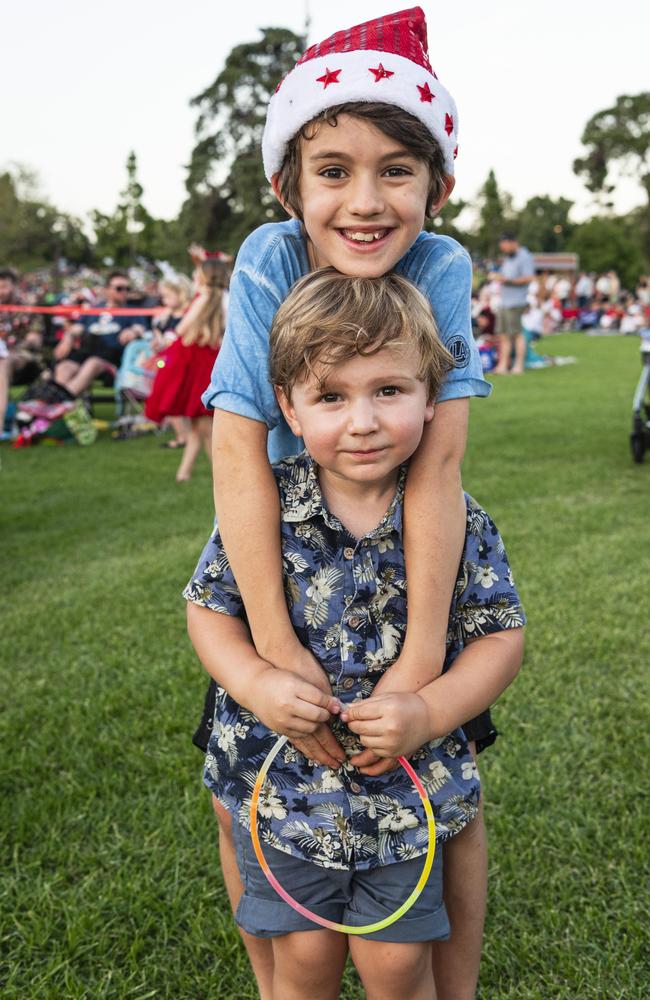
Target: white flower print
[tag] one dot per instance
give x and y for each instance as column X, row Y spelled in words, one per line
column 298, row 562
column 270, row 806
column 384, row 544
column 469, row 770
column 225, row 734
column 486, row 576
column 324, row 583
column 437, row 776
column 399, row 818
column 390, row 640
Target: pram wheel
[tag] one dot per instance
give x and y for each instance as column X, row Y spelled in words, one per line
column 637, row 443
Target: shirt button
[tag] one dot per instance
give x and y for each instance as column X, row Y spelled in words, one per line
column 354, row 622
column 348, row 552
column 348, row 683
column 354, row 787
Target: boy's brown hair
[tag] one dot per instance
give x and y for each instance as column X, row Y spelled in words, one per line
column 393, row 121
column 329, row 317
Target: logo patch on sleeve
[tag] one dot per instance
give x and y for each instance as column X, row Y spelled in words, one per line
column 459, row 350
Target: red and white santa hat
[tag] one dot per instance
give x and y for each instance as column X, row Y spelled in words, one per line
column 385, row 61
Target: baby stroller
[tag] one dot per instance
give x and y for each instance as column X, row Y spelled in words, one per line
column 640, row 436
column 133, row 383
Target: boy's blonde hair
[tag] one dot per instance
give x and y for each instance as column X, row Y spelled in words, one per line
column 329, row 317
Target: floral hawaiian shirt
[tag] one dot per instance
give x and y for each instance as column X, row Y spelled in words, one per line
column 347, row 603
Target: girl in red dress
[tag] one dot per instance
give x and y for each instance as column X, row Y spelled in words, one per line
column 189, row 360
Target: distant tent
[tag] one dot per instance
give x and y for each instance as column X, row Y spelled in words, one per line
column 556, row 261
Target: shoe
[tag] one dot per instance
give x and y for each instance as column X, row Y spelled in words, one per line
column 173, row 445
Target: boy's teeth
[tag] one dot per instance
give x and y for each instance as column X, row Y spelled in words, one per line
column 364, row 237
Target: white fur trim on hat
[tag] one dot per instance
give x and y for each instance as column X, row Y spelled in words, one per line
column 313, row 86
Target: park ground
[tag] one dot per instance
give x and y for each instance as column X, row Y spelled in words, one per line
column 110, row 885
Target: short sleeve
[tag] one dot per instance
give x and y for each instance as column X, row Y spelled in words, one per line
column 212, row 584
column 486, row 597
column 442, row 270
column 269, row 262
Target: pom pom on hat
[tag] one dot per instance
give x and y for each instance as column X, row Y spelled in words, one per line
column 384, row 61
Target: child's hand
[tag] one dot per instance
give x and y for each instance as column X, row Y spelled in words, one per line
column 299, row 661
column 322, row 746
column 290, row 705
column 197, row 253
column 391, row 725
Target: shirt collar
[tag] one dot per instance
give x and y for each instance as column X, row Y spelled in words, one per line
column 301, row 498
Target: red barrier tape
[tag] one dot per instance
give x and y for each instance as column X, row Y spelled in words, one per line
column 80, row 311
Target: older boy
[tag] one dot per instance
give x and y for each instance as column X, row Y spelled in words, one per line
column 359, row 147
column 356, row 363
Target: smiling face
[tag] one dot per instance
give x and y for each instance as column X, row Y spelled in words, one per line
column 363, row 196
column 365, row 419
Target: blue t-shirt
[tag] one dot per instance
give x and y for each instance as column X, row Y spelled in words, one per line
column 269, row 262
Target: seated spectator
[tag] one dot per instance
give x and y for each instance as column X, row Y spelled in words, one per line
column 21, row 333
column 485, row 323
column 93, row 345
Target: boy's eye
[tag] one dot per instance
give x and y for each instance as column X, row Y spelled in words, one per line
column 332, row 173
column 389, row 390
column 329, row 397
column 398, row 172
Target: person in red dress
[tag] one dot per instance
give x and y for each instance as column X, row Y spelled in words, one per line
column 188, row 362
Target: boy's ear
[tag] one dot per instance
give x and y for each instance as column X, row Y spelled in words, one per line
column 288, row 411
column 448, row 184
column 275, row 184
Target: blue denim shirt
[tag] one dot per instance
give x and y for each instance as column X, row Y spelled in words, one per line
column 269, row 262
column 347, row 603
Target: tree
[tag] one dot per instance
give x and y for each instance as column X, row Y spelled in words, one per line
column 610, row 243
column 33, row 232
column 543, row 224
column 228, row 193
column 618, row 138
column 129, row 231
column 446, row 221
column 495, row 215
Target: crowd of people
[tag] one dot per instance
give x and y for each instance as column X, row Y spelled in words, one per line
column 155, row 339
column 564, row 301
column 88, row 341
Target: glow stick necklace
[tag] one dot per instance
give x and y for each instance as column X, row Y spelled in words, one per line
column 330, row 924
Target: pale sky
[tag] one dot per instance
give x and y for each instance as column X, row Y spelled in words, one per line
column 84, row 83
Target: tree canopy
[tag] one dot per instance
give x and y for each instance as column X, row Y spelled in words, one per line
column 228, row 192
column 617, row 136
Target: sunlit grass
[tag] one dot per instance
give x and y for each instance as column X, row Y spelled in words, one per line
column 110, row 880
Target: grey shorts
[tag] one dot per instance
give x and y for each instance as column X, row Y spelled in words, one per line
column 346, row 897
column 509, row 320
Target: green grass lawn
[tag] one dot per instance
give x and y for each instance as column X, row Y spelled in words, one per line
column 110, row 879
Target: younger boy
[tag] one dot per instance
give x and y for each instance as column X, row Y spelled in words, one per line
column 356, row 364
